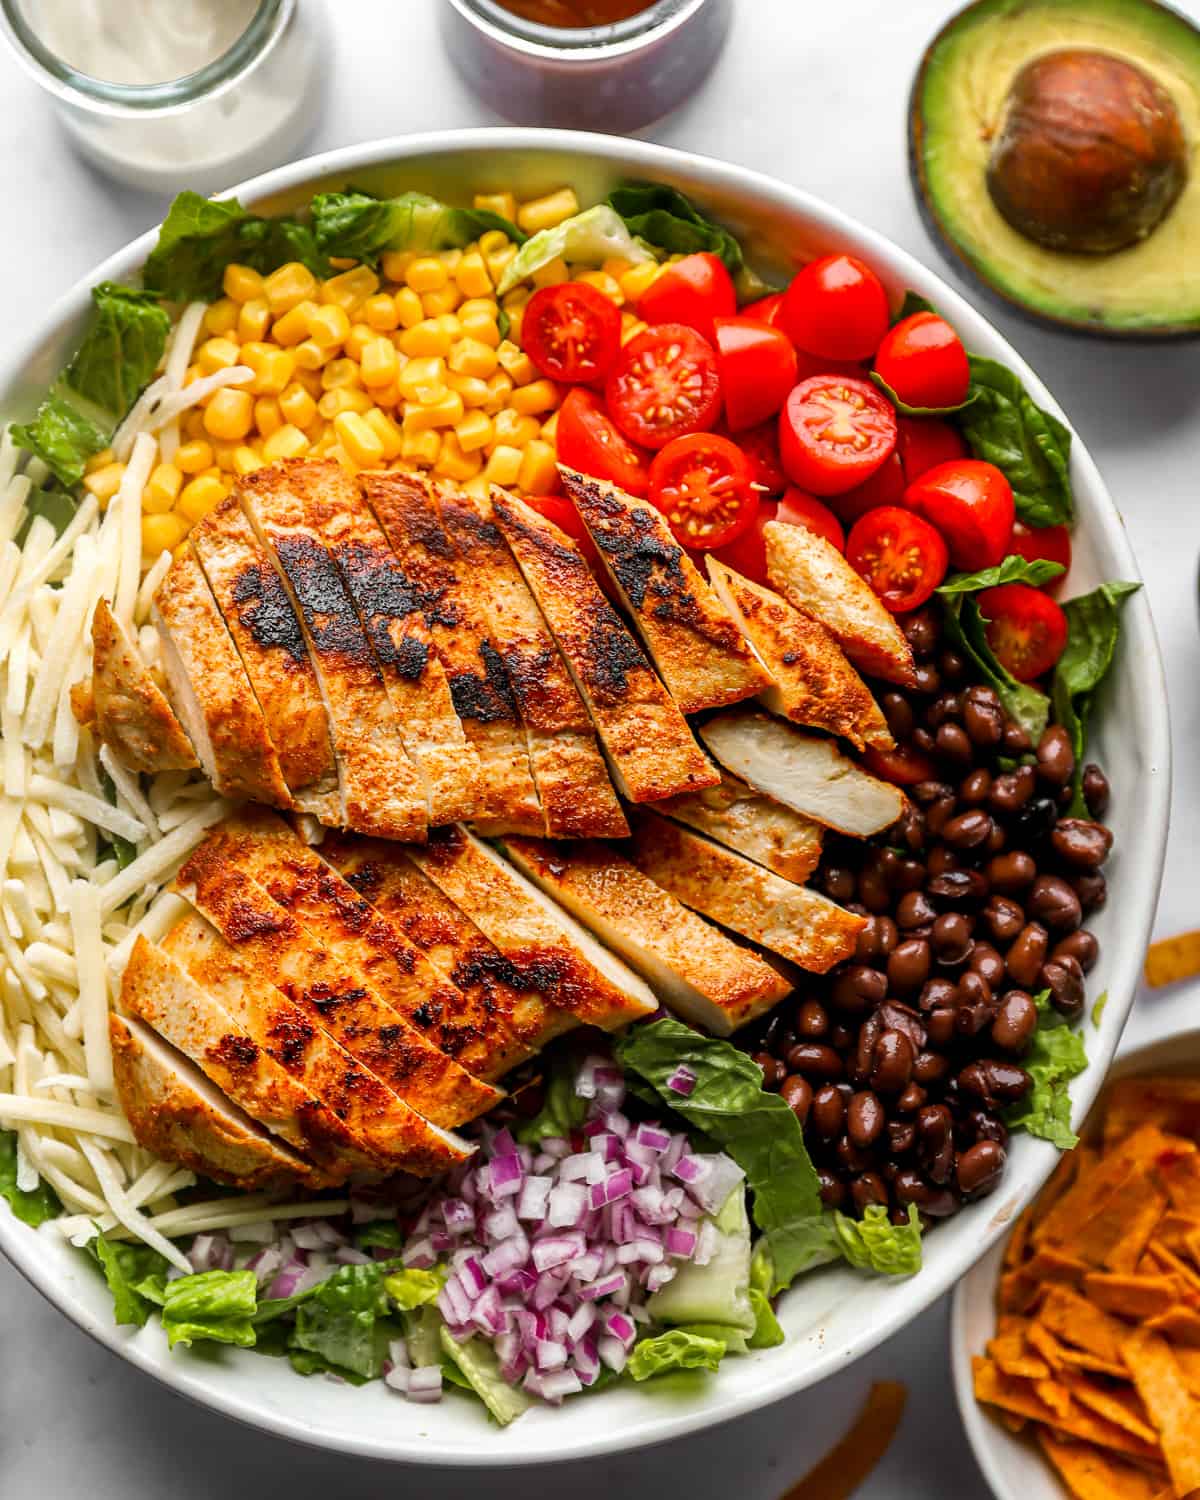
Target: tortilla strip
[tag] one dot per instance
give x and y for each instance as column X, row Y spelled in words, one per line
column 1172, row 959
column 1169, row 1261
column 1173, row 1409
column 1181, row 1325
column 1133, row 1297
column 1043, row 1342
column 1121, row 1406
column 1143, row 1208
column 1091, row 1474
column 1013, row 1358
column 1181, row 1178
column 997, row 1389
column 1018, row 1241
column 1055, row 1396
column 1172, row 1104
column 1074, row 1319
column 1092, row 1194
column 1174, row 1231
column 1188, row 1361
column 1072, row 1166
column 850, row 1462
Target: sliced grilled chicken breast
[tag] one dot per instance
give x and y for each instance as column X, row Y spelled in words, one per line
column 380, row 788
column 696, row 970
column 501, row 1024
column 700, row 653
column 270, row 641
column 813, row 683
column 650, row 748
column 577, row 797
column 814, row 576
column 210, row 689
column 804, row 772
column 548, row 950
column 386, row 1134
column 453, row 598
column 792, row 920
column 179, row 1115
column 762, row 829
column 344, row 1004
column 128, row 708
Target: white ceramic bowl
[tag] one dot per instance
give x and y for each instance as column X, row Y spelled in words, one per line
column 831, row 1317
column 1013, row 1464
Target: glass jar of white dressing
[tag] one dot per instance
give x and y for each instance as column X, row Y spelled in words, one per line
column 167, row 94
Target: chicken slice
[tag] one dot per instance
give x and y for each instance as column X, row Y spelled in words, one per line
column 175, row 1112
column 814, row 576
column 385, row 1133
column 548, row 950
column 453, row 598
column 252, row 597
column 762, row 829
column 699, row 651
column 344, row 1004
column 650, row 748
column 124, row 705
column 792, row 920
column 505, row 1022
column 696, row 970
column 210, row 689
column 804, row 772
column 813, row 683
column 577, row 797
column 380, row 788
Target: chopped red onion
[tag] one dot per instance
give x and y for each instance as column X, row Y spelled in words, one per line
column 398, row 1352
column 652, row 1137
column 682, row 1080
column 550, row 1355
column 317, row 1235
column 622, row 1327
column 556, row 1249
column 658, row 1276
column 681, row 1242
column 419, row 1255
column 580, row 1321
column 567, row 1204
column 534, row 1197
column 347, row 1255
column 613, row 1352
column 607, row 1286
column 706, row 1243
column 425, row 1384
column 504, row 1177
column 459, row 1215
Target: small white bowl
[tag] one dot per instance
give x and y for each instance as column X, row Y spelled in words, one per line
column 1012, row 1463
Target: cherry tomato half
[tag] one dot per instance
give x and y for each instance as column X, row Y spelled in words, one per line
column 925, row 442
column 923, row 360
column 766, row 309
column 885, row 487
column 664, row 384
column 692, row 291
column 571, row 332
column 836, row 307
column 758, row 369
column 1024, row 627
column 834, row 432
column 747, row 554
column 900, row 555
column 761, row 447
column 798, row 509
column 703, row 484
column 971, row 504
column 589, row 440
column 1051, row 542
column 905, row 766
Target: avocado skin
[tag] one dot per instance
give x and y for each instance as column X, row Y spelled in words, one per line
column 1152, row 326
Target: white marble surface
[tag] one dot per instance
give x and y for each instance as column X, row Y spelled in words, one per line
column 813, row 94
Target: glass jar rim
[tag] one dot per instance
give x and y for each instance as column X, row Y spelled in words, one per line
column 59, row 77
column 505, row 26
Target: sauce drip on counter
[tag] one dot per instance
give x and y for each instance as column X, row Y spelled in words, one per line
column 570, row 14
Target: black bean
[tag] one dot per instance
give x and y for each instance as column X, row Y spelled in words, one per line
column 1081, row 844
column 994, row 1082
column 935, row 1142
column 911, row 1100
column 968, row 830
column 940, row 1025
column 1081, row 945
column 913, row 910
column 908, row 966
column 926, row 792
column 1015, row 1022
column 858, row 988
column 944, row 708
column 983, row 718
column 1032, row 824
column 1055, row 756
column 833, row 1189
column 953, row 667
column 937, row 1202
column 838, row 883
column 840, row 1035
column 957, row 889
column 1052, row 902
column 922, row 740
column 798, row 1096
column 908, row 875
column 922, row 630
column 1095, row 790
column 865, row 1118
column 1016, row 741
column 873, row 891
column 982, row 1125
column 939, row 991
column 978, row 1169
column 926, row 679
column 1064, row 980
column 975, row 788
column 1092, row 890
column 896, row 1017
column 930, row 1067
column 849, row 1157
column 1003, row 918
column 815, row 1060
column 899, row 715
column 939, row 813
column 1011, row 791
column 953, row 746
column 986, row 961
column 773, row 1070
column 952, row 938
column 892, row 1062
column 1011, row 873
column 812, row 1020
column 901, row 1136
column 909, row 828
column 828, row 1112
column 1027, row 954
column 868, row 1188
column 941, row 860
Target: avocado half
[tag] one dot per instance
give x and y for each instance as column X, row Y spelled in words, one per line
column 960, row 109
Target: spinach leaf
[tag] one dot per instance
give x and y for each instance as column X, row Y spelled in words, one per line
column 1058, row 1054
column 903, row 408
column 874, row 1243
column 1013, row 569
column 1032, row 448
column 562, row 1111
column 666, row 218
column 214, row 1305
column 1022, row 702
column 136, row 1276
column 122, row 347
column 62, row 437
column 54, row 504
column 32, row 1206
column 913, row 303
column 201, row 236
column 359, row 226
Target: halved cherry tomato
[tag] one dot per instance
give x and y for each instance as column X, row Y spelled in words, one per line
column 836, row 307
column 758, row 369
column 971, row 504
column 761, row 446
column 798, row 509
column 808, row 365
column 923, row 360
column 766, row 309
column 571, row 332
column 834, row 432
column 925, row 442
column 885, row 487
column 1024, row 627
column 703, row 484
column 901, row 556
column 692, row 291
column 589, row 440
column 664, row 384
column 747, row 554
column 1051, row 542
column 905, row 766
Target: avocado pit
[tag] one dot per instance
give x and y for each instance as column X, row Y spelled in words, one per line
column 1090, row 156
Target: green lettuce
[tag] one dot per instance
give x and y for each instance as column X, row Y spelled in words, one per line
column 1014, row 569
column 590, row 237
column 562, row 1111
column 214, row 1305
column 386, row 1234
column 718, row 1293
column 1100, row 1007
column 62, row 437
column 1057, row 1055
column 767, row 1330
column 1093, row 625
column 54, row 505
column 1003, row 425
column 345, row 1321
column 677, row 1349
column 874, row 1243
column 670, row 221
column 32, row 1206
column 201, row 236
column 478, row 1365
column 359, row 226
column 136, row 1276
column 905, row 410
column 122, row 348
column 413, row 1288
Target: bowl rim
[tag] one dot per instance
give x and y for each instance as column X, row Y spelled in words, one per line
column 701, row 174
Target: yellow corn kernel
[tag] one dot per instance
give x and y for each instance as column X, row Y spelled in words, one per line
column 608, row 286
column 310, row 380
column 339, row 374
column 513, row 301
column 198, row 498
column 351, row 289
column 535, row 398
column 516, row 323
column 288, row 287
column 553, row 273
column 630, row 327
column 272, row 367
column 409, row 311
column 229, row 416
column 451, row 259
column 498, row 388
column 162, row 533
column 242, row 284
column 390, row 437
column 421, row 377
column 379, row 364
column 325, row 444
column 512, row 430
column 317, row 429
column 498, row 261
column 387, row 395
column 427, row 338
column 421, row 447
column 426, row 274
column 292, row 327
column 191, row 424
column 217, row 354
column 545, row 213
column 487, row 306
column 362, row 444
column 471, row 275
column 478, row 488
column 99, row 460
column 515, row 363
column 550, row 429
column 162, row 489
column 297, row 406
column 380, row 313
column 482, row 327
column 225, row 454
column 615, row 266
column 288, row 442
column 474, row 431
column 267, row 416
column 104, row 483
column 344, row 398
column 329, row 325
column 245, row 461
column 539, row 471
column 311, row 357
column 357, row 339
column 193, row 372
column 443, row 413
column 504, row 204
column 638, row 279
column 254, row 318
column 396, row 263
column 453, row 463
column 471, row 388
column 193, row 458
column 212, row 472
column 434, row 304
column 221, row 316
column 471, row 357
column 504, row 465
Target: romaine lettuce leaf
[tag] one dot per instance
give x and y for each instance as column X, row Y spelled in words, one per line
column 136, row 1276
column 477, row 1363
column 359, row 226
column 1003, row 425
column 874, row 1243
column 1058, row 1054
column 677, row 1349
column 562, row 1111
column 345, row 1321
column 718, row 1292
column 32, row 1206
column 590, row 237
column 667, row 219
column 385, row 1234
column 413, row 1288
column 201, row 236
column 767, row 1329
column 123, row 346
column 215, row 1305
column 62, row 437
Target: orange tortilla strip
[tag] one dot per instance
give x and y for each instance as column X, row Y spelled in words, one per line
column 1120, row 1406
column 1092, row 1194
column 846, row 1466
column 1172, row 959
column 1076, row 1321
column 1013, row 1357
column 1191, row 1243
column 1169, row 1104
column 1172, row 1407
column 997, row 1389
column 1181, row 1178
column 1018, row 1241
column 1115, row 1236
column 1055, row 1266
column 1091, row 1474
column 1173, row 1230
column 1044, row 1343
column 1056, row 1397
column 1181, row 1325
column 1188, row 1361
column 1169, row 1261
column 1132, row 1297
column 1071, row 1166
